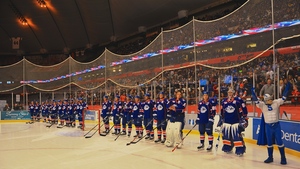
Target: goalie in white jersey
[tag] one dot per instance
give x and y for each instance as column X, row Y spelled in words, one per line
column 270, row 126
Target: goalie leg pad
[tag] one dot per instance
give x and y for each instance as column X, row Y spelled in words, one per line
column 169, row 139
column 177, row 133
column 227, row 138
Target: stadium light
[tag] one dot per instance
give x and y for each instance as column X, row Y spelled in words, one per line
column 42, row 3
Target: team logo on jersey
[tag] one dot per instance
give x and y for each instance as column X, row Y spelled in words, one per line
column 160, row 107
column 135, row 108
column 230, row 109
column 203, row 110
column 104, row 107
column 146, row 107
column 115, row 107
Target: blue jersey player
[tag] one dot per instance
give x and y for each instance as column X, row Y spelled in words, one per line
column 205, row 120
column 176, row 120
column 126, row 114
column 31, row 110
column 137, row 116
column 231, row 118
column 148, row 106
column 105, row 113
column 116, row 111
column 80, row 109
column 160, row 115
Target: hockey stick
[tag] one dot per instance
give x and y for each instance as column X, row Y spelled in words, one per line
column 90, row 130
column 284, row 112
column 184, row 137
column 89, row 136
column 218, row 141
column 50, row 125
column 85, row 135
column 29, row 122
column 134, row 142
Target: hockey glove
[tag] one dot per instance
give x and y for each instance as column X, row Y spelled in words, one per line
column 197, row 121
column 210, row 123
column 155, row 116
column 169, row 116
column 140, row 116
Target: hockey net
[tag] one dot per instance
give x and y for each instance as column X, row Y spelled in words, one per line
column 239, row 50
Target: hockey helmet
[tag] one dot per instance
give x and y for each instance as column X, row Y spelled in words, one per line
column 267, row 97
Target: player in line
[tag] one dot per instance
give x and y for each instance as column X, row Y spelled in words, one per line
column 176, row 121
column 126, row 116
column 234, row 121
column 105, row 113
column 205, row 120
column 137, row 116
column 160, row 115
column 148, row 106
column 117, row 109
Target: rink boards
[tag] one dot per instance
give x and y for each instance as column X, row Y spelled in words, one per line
column 290, row 129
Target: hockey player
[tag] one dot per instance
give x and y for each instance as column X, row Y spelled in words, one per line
column 176, row 123
column 64, row 115
column 37, row 108
column 147, row 106
column 117, row 109
column 60, row 112
column 31, row 110
column 53, row 113
column 71, row 113
column 105, row 113
column 231, row 117
column 137, row 116
column 45, row 111
column 160, row 115
column 126, row 116
column 80, row 109
column 270, row 126
column 205, row 120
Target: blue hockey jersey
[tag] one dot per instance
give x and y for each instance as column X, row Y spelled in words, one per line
column 206, row 110
column 179, row 114
column 161, row 109
column 106, row 108
column 148, row 106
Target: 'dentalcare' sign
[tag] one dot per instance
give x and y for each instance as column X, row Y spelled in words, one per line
column 15, row 115
column 290, row 133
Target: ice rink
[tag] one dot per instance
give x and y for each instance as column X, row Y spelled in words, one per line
column 32, row 146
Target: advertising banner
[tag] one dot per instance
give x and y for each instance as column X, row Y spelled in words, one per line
column 290, row 133
column 15, row 115
column 90, row 115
